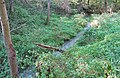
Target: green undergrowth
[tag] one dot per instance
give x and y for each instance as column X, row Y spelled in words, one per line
column 97, row 56
column 28, row 27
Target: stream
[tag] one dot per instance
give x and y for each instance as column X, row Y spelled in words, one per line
column 30, row 71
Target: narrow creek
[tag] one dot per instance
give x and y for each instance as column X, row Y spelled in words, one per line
column 30, row 71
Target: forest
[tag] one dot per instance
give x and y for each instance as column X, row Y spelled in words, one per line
column 59, row 38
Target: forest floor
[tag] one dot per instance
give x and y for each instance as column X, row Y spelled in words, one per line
column 96, row 54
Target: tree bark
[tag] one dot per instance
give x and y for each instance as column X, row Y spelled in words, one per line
column 7, row 41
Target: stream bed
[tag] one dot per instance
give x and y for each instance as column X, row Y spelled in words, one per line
column 30, row 71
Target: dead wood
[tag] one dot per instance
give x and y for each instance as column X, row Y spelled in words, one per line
column 49, row 47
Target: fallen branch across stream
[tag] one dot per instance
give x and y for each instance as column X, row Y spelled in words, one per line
column 48, row 47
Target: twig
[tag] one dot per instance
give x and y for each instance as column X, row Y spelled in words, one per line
column 18, row 27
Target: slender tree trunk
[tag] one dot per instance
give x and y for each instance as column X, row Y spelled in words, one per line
column 105, row 7
column 7, row 40
column 88, row 2
column 0, row 27
column 11, row 2
column 48, row 13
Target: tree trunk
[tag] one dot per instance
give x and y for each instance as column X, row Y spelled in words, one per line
column 88, row 2
column 0, row 27
column 7, row 40
column 11, row 6
column 48, row 13
column 105, row 7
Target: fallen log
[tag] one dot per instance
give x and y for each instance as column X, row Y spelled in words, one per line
column 49, row 47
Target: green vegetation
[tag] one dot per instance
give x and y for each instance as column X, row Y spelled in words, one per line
column 32, row 29
column 95, row 55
